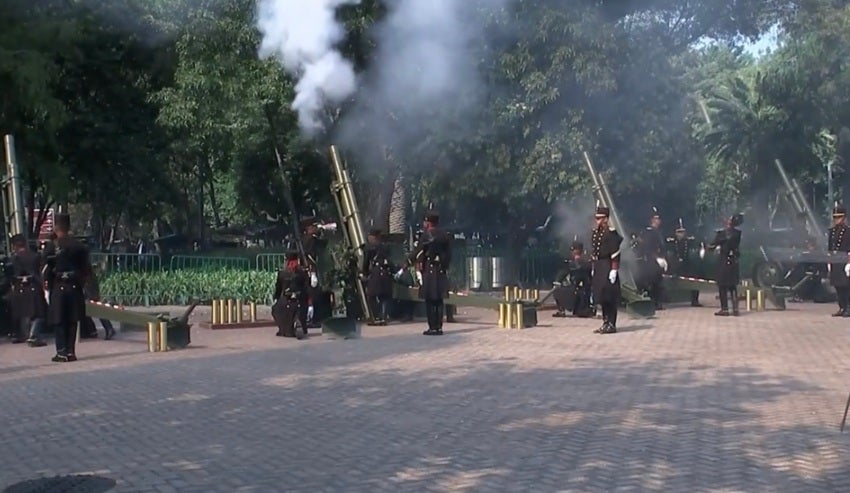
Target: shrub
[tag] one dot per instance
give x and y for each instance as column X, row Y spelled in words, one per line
column 180, row 287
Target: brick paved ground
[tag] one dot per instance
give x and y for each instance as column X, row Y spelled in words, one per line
column 682, row 403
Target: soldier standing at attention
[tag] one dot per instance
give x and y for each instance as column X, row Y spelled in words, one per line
column 378, row 274
column 839, row 273
column 313, row 246
column 682, row 262
column 651, row 243
column 290, row 295
column 727, row 243
column 433, row 257
column 28, row 304
column 605, row 256
column 68, row 267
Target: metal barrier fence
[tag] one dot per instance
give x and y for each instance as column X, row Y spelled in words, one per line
column 179, row 262
column 269, row 261
column 531, row 268
column 128, row 262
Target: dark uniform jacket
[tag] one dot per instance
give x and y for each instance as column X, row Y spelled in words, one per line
column 379, row 271
column 27, row 297
column 605, row 254
column 68, row 268
column 433, row 257
column 728, row 269
column 313, row 248
column 680, row 264
column 291, row 285
column 651, row 245
column 839, row 241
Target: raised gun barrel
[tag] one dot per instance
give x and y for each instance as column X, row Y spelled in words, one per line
column 636, row 303
column 795, row 195
column 13, row 206
column 346, row 204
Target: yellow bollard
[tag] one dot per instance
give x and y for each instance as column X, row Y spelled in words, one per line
column 520, row 323
column 239, row 311
column 749, row 301
column 760, row 300
column 253, row 312
column 507, row 294
column 152, row 337
column 222, row 312
column 163, row 336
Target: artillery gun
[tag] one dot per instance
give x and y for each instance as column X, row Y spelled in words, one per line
column 799, row 269
column 636, row 303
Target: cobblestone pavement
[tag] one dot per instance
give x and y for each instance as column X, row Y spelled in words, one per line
column 685, row 402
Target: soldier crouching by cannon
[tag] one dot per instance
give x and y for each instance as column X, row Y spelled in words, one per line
column 572, row 285
column 727, row 243
column 290, row 295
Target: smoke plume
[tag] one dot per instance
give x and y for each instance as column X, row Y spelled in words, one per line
column 302, row 35
column 425, row 77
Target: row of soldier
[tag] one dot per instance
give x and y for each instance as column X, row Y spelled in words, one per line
column 296, row 290
column 587, row 281
column 49, row 287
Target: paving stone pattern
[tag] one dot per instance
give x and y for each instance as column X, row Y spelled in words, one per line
column 685, row 402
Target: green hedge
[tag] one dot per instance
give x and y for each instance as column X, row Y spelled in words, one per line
column 179, row 287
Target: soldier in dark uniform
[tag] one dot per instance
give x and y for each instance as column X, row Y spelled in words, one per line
column 653, row 259
column 290, row 295
column 313, row 244
column 572, row 290
column 839, row 273
column 68, row 267
column 727, row 243
column 682, row 243
column 378, row 273
column 29, row 307
column 432, row 258
column 605, row 255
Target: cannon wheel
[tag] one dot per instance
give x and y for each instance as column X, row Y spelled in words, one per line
column 766, row 274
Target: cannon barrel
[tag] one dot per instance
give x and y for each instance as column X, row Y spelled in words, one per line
column 349, row 219
column 13, row 206
column 795, row 195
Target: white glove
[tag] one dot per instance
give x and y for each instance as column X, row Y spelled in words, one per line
column 419, row 277
column 556, row 284
column 847, row 269
column 612, row 276
column 702, row 252
column 314, row 280
column 398, row 274
column 662, row 263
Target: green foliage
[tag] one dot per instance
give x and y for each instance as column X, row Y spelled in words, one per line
column 181, row 287
column 160, row 110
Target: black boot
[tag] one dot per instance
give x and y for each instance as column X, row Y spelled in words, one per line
column 695, row 299
column 724, row 305
column 734, row 294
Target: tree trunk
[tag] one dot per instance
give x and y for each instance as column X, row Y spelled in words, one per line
column 398, row 207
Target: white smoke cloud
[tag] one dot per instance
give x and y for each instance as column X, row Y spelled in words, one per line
column 302, row 34
column 425, row 79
